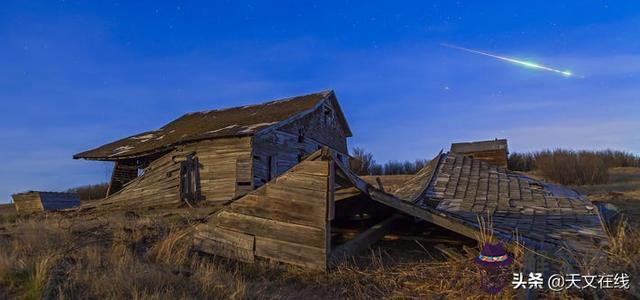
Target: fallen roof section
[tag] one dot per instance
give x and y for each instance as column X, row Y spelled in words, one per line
column 236, row 121
column 453, row 191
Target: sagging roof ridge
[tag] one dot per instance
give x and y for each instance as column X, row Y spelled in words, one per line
column 120, row 153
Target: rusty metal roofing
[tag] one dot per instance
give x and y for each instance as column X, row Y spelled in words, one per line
column 236, row 121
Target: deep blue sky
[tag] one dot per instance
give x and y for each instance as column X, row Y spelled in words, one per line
column 77, row 74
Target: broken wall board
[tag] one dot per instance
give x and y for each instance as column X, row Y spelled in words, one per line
column 230, row 244
column 292, row 253
column 288, row 221
column 158, row 187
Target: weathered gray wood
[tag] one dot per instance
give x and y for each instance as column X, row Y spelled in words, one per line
column 424, row 214
column 230, row 244
column 301, row 234
column 290, row 211
column 292, row 253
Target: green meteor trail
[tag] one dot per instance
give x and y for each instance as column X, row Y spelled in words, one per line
column 527, row 64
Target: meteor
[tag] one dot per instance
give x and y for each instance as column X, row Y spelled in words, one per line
column 527, row 64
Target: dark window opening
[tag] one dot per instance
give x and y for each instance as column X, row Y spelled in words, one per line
column 269, row 167
column 301, row 136
column 328, row 115
column 243, row 183
column 190, row 180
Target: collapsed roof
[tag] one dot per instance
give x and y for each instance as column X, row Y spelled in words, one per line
column 236, row 121
column 453, row 191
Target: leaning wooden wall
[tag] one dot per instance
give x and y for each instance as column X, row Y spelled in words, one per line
column 286, row 220
column 158, row 187
column 27, row 203
column 225, row 168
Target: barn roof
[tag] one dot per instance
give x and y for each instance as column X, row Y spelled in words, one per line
column 468, row 147
column 545, row 215
column 236, row 121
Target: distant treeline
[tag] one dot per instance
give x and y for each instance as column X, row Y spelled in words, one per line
column 573, row 167
column 369, row 166
column 90, row 192
column 567, row 167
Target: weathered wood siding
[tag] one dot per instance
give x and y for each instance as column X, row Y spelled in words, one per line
column 27, row 203
column 158, row 187
column 288, row 220
column 276, row 151
column 322, row 126
column 122, row 174
column 225, row 168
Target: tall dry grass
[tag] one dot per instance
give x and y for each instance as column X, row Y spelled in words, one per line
column 115, row 257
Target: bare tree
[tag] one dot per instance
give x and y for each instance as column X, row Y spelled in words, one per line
column 366, row 161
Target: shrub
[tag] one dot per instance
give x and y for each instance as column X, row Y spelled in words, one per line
column 368, row 166
column 90, row 192
column 573, row 167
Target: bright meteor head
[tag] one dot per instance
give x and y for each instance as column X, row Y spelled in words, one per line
column 523, row 63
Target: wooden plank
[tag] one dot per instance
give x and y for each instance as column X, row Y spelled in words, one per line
column 319, row 168
column 290, row 211
column 364, row 240
column 238, row 239
column 286, row 192
column 292, row 253
column 345, row 193
column 424, row 214
column 306, row 235
column 304, row 181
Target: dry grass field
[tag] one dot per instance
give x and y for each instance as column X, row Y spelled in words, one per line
column 147, row 255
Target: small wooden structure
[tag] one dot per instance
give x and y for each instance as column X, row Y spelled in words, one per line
column 220, row 155
column 33, row 202
column 494, row 152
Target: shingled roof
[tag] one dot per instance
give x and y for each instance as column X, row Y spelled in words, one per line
column 236, row 121
column 547, row 216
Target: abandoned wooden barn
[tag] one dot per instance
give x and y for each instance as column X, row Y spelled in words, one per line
column 34, row 202
column 292, row 219
column 494, row 152
column 219, row 155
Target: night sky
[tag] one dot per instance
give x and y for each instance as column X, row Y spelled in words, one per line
column 77, row 74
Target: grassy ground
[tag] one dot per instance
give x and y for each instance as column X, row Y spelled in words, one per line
column 623, row 191
column 148, row 256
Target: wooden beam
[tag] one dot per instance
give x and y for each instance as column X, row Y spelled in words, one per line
column 424, row 214
column 364, row 240
column 380, row 185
